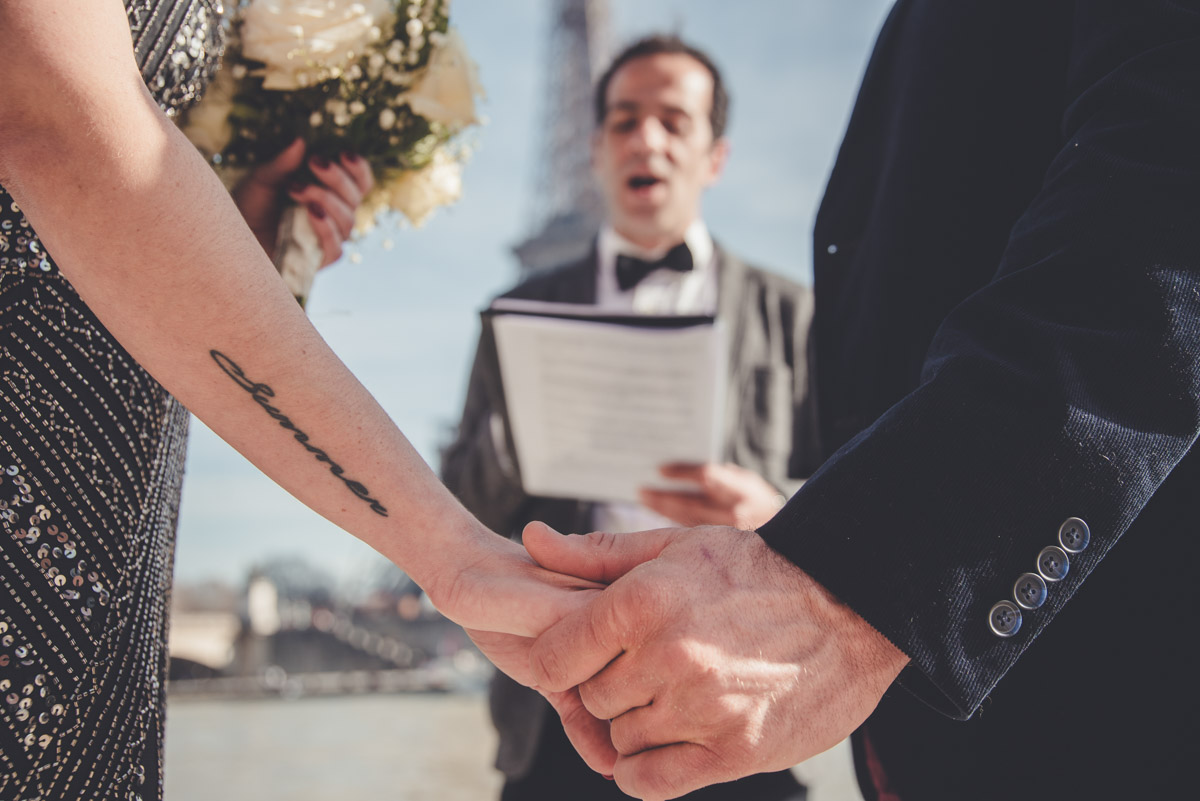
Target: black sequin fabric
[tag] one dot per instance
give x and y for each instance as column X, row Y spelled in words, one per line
column 91, row 460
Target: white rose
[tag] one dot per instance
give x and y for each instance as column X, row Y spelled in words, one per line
column 446, row 91
column 303, row 40
column 416, row 194
column 207, row 123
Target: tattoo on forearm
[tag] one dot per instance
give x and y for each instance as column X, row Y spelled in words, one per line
column 261, row 393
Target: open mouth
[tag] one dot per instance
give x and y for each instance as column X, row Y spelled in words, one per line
column 643, row 181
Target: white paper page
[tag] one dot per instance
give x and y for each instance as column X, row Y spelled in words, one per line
column 596, row 407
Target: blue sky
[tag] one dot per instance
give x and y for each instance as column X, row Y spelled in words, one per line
column 405, row 320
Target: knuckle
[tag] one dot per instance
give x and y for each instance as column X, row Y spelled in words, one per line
column 598, row 697
column 653, row 780
column 682, row 656
column 626, row 738
column 622, row 618
column 608, row 619
column 735, row 737
column 604, row 542
column 549, row 668
column 719, row 764
column 644, row 600
column 593, row 697
column 570, row 713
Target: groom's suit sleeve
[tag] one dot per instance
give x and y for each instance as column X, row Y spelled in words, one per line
column 1069, row 386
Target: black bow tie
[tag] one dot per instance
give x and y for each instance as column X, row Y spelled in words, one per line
column 630, row 270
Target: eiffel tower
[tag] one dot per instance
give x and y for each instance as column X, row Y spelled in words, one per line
column 566, row 210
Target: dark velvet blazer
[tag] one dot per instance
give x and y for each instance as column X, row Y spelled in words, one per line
column 1007, row 335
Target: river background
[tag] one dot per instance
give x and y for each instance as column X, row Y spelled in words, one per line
column 418, row 747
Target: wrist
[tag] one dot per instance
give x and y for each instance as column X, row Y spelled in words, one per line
column 450, row 544
column 876, row 661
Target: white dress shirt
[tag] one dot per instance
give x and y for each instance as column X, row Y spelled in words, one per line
column 661, row 292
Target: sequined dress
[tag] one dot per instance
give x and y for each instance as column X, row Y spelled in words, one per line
column 91, row 459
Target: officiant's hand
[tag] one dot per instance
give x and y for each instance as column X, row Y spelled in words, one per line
column 725, row 495
column 712, row 655
column 331, row 203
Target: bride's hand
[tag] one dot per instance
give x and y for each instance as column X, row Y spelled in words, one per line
column 590, row 735
column 504, row 590
column 493, row 585
column 331, row 203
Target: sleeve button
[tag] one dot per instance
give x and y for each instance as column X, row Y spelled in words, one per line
column 1004, row 619
column 1053, row 563
column 1030, row 591
column 1074, row 535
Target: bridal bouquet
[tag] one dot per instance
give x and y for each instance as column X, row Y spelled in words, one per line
column 389, row 80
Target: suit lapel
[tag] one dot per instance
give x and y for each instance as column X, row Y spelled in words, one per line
column 584, row 287
column 577, row 283
column 731, row 306
column 731, row 312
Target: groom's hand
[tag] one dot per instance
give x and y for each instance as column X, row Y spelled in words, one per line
column 510, row 652
column 589, row 734
column 713, row 656
column 501, row 597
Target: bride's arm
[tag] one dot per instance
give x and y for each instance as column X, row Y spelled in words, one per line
column 152, row 242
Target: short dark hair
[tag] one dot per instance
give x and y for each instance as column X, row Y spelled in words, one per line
column 666, row 43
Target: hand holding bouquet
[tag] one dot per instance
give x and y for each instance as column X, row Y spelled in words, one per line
column 387, row 81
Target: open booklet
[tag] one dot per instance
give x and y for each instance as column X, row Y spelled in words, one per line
column 596, row 401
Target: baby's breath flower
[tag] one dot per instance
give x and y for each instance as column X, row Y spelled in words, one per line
column 290, row 38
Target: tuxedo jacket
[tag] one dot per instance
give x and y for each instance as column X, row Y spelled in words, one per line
column 769, row 427
column 1007, row 336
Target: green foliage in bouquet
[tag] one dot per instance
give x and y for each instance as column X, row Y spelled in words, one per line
column 389, row 80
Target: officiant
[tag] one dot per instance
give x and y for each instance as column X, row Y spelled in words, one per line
column 659, row 143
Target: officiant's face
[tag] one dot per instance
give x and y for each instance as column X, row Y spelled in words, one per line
column 654, row 152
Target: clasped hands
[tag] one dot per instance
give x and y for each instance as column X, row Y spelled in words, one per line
column 679, row 658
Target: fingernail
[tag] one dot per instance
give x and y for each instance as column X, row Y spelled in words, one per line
column 316, row 211
column 353, row 158
column 296, row 187
column 320, row 162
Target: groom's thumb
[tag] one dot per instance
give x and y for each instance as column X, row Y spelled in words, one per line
column 598, row 556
